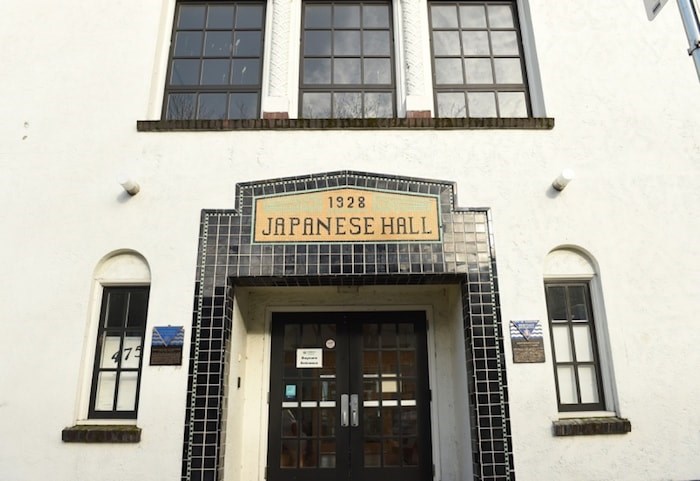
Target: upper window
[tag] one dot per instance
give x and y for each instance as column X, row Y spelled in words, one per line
column 347, row 60
column 215, row 69
column 118, row 357
column 478, row 68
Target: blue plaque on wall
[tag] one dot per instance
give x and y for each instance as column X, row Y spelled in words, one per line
column 166, row 345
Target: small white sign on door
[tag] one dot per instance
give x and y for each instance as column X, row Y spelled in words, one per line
column 309, row 358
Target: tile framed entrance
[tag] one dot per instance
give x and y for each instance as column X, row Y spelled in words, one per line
column 229, row 258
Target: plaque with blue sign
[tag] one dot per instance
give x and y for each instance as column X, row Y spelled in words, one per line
column 166, row 345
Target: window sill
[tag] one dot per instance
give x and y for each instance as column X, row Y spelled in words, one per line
column 529, row 123
column 591, row 426
column 105, row 433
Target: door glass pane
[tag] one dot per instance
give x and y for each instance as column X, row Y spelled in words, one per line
column 371, row 390
column 327, row 423
column 289, row 423
column 372, row 422
column 390, row 388
column 562, row 343
column 370, row 333
column 408, row 363
column 389, row 363
column 408, row 389
column 389, row 335
column 126, row 399
column 407, row 338
column 409, row 421
column 392, row 452
column 589, row 384
column 309, row 389
column 291, row 334
column 310, row 335
column 410, row 451
column 567, row 385
column 309, row 422
column 327, row 454
column 371, row 362
column 372, row 451
column 390, row 421
column 289, row 454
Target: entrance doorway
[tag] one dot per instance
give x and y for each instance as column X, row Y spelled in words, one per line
column 349, row 397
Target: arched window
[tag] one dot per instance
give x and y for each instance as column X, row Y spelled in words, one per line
column 124, row 281
column 571, row 292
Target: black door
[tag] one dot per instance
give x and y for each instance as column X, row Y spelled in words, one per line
column 349, row 397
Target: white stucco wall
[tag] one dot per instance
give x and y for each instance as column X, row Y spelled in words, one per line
column 626, row 101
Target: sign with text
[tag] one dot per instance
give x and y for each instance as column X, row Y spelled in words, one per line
column 346, row 215
column 307, row 358
column 527, row 342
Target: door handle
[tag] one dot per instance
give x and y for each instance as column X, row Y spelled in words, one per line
column 344, row 412
column 354, row 411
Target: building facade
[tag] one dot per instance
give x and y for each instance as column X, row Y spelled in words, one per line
column 348, row 241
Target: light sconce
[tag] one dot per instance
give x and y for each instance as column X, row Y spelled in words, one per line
column 129, row 185
column 566, row 176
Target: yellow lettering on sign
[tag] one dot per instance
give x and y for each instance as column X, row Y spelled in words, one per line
column 346, row 214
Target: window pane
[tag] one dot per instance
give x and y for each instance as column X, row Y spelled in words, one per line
column 481, row 104
column 377, row 71
column 126, row 399
column 346, row 71
column 475, row 43
column 317, row 71
column 379, row 105
column 185, row 72
column 181, row 106
column 562, row 344
column 451, row 104
column 346, row 16
column 504, row 43
column 217, row 44
column 508, row 70
column 191, row 17
column 116, row 308
column 316, row 105
column 512, row 104
column 246, row 44
column 317, row 42
column 567, row 385
column 317, row 16
column 249, row 16
column 347, row 104
column 577, row 301
column 104, row 398
column 138, row 303
column 243, row 106
column 582, row 342
column 446, row 43
column 110, row 352
column 212, row 106
column 245, row 72
column 131, row 352
column 220, row 16
column 188, row 44
column 443, row 16
column 448, row 71
column 215, row 72
column 346, row 42
column 478, row 70
column 589, row 385
column 472, row 16
column 556, row 303
column 500, row 16
column 375, row 16
column 376, row 43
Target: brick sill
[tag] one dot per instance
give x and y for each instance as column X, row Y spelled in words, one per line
column 529, row 123
column 591, row 426
column 105, row 433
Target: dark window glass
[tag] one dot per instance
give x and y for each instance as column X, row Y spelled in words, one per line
column 117, row 372
column 478, row 68
column 347, row 64
column 215, row 62
column 574, row 347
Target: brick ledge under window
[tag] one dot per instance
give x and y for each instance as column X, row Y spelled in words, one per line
column 115, row 434
column 590, row 426
column 529, row 123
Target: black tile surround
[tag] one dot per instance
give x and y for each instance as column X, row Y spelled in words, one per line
column 227, row 258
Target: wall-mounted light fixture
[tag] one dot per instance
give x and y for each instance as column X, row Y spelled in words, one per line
column 129, row 185
column 566, row 176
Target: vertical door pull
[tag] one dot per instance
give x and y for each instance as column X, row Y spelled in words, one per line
column 344, row 412
column 354, row 411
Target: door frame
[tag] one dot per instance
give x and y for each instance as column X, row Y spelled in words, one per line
column 339, row 308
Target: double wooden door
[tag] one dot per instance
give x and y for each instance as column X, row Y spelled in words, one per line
column 349, row 397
